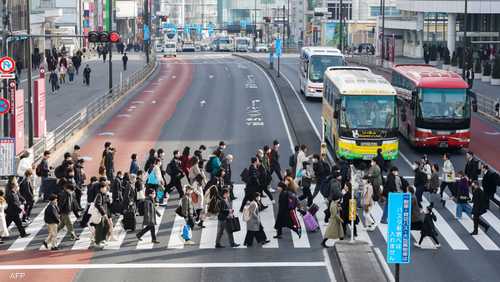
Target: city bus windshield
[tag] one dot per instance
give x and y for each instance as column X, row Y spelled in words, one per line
column 319, row 63
column 242, row 42
column 368, row 112
column 435, row 103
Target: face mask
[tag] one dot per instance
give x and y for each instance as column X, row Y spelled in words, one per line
column 257, row 199
column 414, row 166
column 396, row 173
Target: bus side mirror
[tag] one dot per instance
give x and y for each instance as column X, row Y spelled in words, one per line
column 336, row 108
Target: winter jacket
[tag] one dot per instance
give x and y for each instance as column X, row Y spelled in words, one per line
column 253, row 224
column 448, row 172
column 149, row 212
column 187, row 206
column 480, row 202
column 26, row 190
column 103, row 204
column 51, row 214
column 66, row 199
column 472, row 169
column 334, row 229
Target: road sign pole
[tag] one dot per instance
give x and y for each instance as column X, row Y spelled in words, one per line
column 396, row 276
column 30, row 92
column 109, row 24
column 4, row 119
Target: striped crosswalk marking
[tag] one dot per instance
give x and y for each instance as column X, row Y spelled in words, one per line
column 146, row 242
column 209, row 233
column 320, row 215
column 377, row 215
column 119, row 234
column 492, row 220
column 239, row 193
column 267, row 219
column 86, row 237
column 303, row 241
column 175, row 241
column 483, row 239
column 444, row 229
column 33, row 229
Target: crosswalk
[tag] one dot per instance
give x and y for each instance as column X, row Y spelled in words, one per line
column 454, row 234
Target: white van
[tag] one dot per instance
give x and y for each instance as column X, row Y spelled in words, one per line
column 171, row 49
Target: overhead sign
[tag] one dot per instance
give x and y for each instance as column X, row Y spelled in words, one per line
column 277, row 47
column 7, row 156
column 7, row 65
column 399, row 224
column 4, row 106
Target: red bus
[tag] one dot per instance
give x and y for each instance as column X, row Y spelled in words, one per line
column 434, row 106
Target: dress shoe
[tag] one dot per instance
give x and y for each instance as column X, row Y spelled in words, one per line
column 486, row 229
column 138, row 237
column 155, row 242
column 265, row 242
column 25, row 235
column 473, row 233
column 277, row 236
column 235, row 245
column 218, row 246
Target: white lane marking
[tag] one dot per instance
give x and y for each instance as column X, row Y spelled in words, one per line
column 86, row 158
column 211, row 76
column 444, row 228
column 328, row 266
column 280, row 109
column 137, row 102
column 303, row 241
column 175, row 241
column 377, row 215
column 86, row 237
column 320, row 215
column 492, row 133
column 483, row 239
column 34, row 228
column 173, row 76
column 267, row 220
column 106, row 133
column 153, row 102
column 119, row 234
column 209, row 233
column 239, row 193
column 146, row 239
column 165, row 265
column 202, row 103
column 226, row 68
column 132, row 107
column 130, row 110
column 491, row 219
column 407, row 161
column 123, row 115
column 385, row 266
column 148, row 91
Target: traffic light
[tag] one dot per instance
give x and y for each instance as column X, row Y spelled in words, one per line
column 103, row 37
column 114, row 37
column 267, row 19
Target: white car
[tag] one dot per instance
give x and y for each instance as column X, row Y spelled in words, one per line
column 159, row 48
column 261, row 47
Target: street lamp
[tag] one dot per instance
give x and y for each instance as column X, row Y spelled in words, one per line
column 382, row 35
column 464, row 52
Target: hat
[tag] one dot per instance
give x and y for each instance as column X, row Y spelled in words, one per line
column 222, row 143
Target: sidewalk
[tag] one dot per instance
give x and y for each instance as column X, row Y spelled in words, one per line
column 72, row 97
column 482, row 88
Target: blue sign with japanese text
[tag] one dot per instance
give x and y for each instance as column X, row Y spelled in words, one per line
column 399, row 225
column 277, row 47
column 146, row 33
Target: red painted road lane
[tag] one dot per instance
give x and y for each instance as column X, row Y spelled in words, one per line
column 485, row 142
column 42, row 257
column 150, row 110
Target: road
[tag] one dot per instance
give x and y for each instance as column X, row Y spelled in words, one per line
column 202, row 99
column 191, row 101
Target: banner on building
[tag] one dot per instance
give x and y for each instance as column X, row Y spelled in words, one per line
column 126, row 9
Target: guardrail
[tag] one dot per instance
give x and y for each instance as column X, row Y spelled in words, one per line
column 485, row 104
column 89, row 113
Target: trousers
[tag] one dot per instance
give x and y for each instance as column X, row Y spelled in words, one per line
column 221, row 227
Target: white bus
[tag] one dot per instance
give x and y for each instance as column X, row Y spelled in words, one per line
column 242, row 44
column 170, row 48
column 313, row 63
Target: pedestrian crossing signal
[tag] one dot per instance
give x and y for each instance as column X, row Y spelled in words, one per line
column 114, row 37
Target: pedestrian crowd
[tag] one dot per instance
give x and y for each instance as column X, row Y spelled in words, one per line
column 205, row 188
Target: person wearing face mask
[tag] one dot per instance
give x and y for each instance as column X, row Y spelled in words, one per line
column 253, row 182
column 27, row 192
column 255, row 229
column 479, row 207
column 149, row 220
column 490, row 183
column 472, row 169
column 367, row 204
column 448, row 179
column 66, row 206
column 228, row 172
column 393, row 183
column 188, row 210
column 305, row 181
column 14, row 206
column 264, row 175
column 344, row 211
column 420, row 181
column 175, row 171
column 462, row 195
column 321, row 170
column 375, row 177
column 274, row 157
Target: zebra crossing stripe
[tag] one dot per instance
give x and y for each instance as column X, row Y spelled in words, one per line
column 86, row 237
column 303, row 241
column 176, row 241
column 239, row 193
column 119, row 234
column 444, row 228
column 320, row 215
column 209, row 233
column 483, row 239
column 146, row 242
column 377, row 215
column 267, row 220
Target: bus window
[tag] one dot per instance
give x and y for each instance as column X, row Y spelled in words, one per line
column 319, row 63
column 368, row 112
column 443, row 103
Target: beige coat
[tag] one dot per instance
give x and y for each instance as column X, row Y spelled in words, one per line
column 334, row 229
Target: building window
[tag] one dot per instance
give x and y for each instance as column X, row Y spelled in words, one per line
column 334, row 9
column 389, row 11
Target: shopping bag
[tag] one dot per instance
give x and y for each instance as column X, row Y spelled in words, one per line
column 234, row 224
column 310, row 222
column 186, row 232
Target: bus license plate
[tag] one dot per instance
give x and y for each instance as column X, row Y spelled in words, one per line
column 443, row 144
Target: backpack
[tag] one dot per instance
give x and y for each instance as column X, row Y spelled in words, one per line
column 59, row 172
column 169, row 170
column 209, row 165
column 214, row 206
column 324, row 188
column 246, row 213
column 335, row 189
column 245, row 175
column 38, row 170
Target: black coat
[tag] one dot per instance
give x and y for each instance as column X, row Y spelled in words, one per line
column 103, row 204
column 275, row 160
column 428, row 228
column 14, row 202
column 479, row 202
column 228, row 172
column 224, row 210
column 66, row 201
column 490, row 182
column 117, row 190
column 253, row 184
column 92, row 190
column 472, row 169
column 51, row 215
column 26, row 190
column 283, row 217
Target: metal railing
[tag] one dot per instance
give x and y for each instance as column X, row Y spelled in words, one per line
column 485, row 104
column 90, row 112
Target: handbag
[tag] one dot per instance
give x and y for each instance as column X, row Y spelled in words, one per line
column 152, row 180
column 179, row 212
column 234, row 224
column 95, row 215
column 159, row 195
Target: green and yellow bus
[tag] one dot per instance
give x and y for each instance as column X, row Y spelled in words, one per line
column 359, row 114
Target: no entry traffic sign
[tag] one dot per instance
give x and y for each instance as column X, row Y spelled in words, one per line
column 7, row 65
column 4, row 106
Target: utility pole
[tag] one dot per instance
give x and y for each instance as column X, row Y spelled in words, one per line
column 30, row 94
column 255, row 25
column 341, row 26
column 464, row 52
column 110, row 45
column 382, row 35
column 4, row 119
column 288, row 26
column 146, row 22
